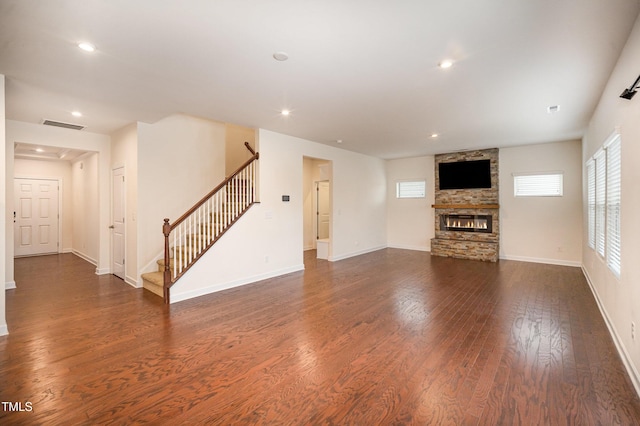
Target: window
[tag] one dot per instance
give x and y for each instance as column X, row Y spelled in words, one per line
column 613, row 205
column 591, row 202
column 603, row 199
column 601, row 189
column 538, row 185
column 411, row 189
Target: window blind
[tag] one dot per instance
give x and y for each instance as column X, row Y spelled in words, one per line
column 601, row 167
column 411, row 189
column 591, row 203
column 538, row 185
column 613, row 205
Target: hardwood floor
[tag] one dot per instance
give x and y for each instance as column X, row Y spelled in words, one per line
column 390, row 337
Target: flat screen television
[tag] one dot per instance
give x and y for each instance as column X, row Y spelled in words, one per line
column 465, row 174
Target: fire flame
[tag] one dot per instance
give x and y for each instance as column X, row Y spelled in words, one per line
column 467, row 224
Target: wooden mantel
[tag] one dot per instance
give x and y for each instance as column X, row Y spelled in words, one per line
column 465, row 206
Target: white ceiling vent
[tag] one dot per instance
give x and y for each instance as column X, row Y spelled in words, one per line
column 61, row 124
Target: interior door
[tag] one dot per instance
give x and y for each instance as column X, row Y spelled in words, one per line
column 36, row 216
column 323, row 209
column 118, row 229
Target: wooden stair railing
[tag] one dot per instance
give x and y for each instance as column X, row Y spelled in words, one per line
column 193, row 233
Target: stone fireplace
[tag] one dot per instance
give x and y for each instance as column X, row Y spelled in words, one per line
column 466, row 220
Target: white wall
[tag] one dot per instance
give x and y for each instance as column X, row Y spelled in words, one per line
column 530, row 228
column 410, row 222
column 17, row 131
column 124, row 153
column 4, row 181
column 619, row 299
column 268, row 240
column 542, row 229
column 236, row 153
column 180, row 159
column 86, row 210
column 47, row 169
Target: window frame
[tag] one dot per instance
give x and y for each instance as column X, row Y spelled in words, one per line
column 604, row 174
column 591, row 203
column 520, row 188
column 613, row 204
column 400, row 183
column 601, row 196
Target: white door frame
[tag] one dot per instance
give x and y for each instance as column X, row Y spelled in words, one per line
column 60, row 209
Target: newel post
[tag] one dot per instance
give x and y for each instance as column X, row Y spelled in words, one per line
column 166, row 230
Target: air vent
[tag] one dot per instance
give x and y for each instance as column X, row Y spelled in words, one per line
column 61, row 124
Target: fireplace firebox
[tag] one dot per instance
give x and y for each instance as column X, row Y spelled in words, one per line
column 465, row 223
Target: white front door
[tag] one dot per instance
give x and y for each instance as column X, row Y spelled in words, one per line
column 36, row 216
column 118, row 230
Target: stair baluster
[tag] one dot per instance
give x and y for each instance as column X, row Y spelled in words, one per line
column 190, row 236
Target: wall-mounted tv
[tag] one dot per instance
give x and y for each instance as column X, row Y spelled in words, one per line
column 465, row 174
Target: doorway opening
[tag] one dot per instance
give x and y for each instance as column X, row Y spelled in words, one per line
column 317, row 218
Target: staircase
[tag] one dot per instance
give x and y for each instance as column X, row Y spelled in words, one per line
column 190, row 236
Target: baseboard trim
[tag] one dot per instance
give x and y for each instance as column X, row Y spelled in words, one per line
column 152, row 266
column 354, row 254
column 132, row 282
column 576, row 264
column 9, row 285
column 85, row 257
column 179, row 297
column 405, row 247
column 626, row 359
column 4, row 330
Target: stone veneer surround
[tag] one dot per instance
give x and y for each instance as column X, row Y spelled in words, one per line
column 482, row 201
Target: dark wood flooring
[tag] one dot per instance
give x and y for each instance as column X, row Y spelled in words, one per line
column 390, row 337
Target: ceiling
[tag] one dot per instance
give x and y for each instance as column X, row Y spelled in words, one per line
column 361, row 71
column 27, row 151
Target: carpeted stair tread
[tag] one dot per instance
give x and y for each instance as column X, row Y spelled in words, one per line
column 154, row 282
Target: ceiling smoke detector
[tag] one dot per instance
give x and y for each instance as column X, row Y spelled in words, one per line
column 280, row 56
column 62, row 124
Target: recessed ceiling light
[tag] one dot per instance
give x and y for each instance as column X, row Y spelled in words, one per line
column 553, row 109
column 87, row 47
column 39, row 150
column 445, row 63
column 280, row 56
column 76, row 114
column 339, row 141
column 285, row 112
column 434, row 135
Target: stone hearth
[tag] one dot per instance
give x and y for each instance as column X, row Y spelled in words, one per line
column 459, row 242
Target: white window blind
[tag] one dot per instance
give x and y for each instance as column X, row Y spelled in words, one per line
column 601, row 188
column 411, row 189
column 591, row 202
column 538, row 185
column 613, row 205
